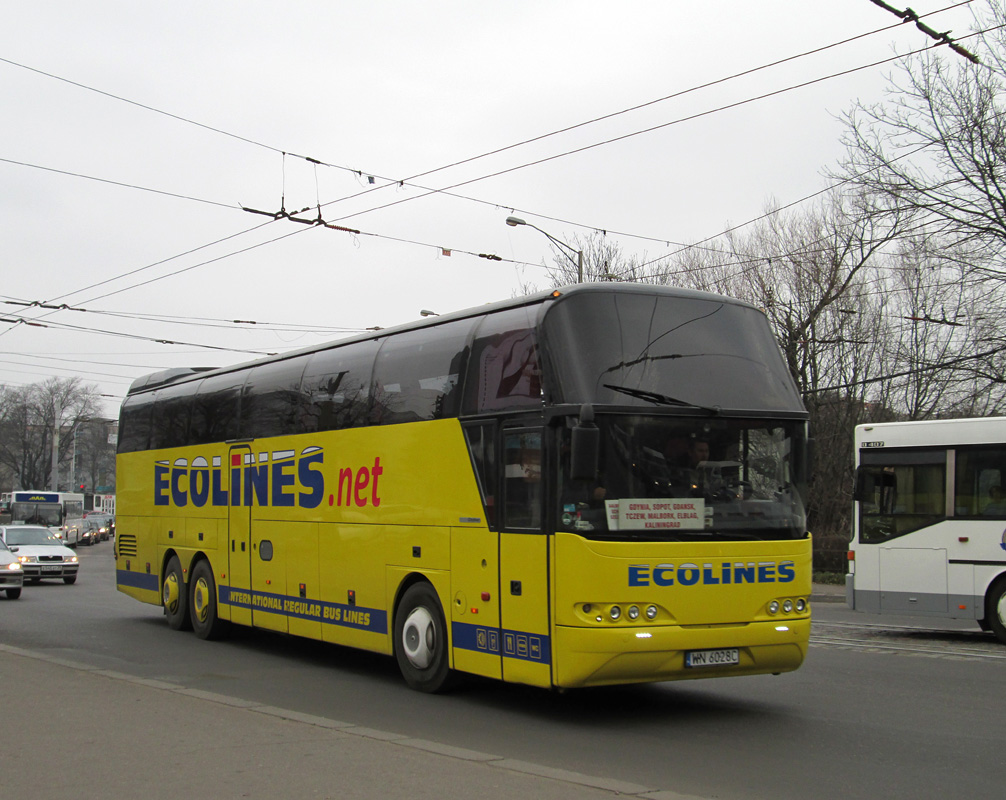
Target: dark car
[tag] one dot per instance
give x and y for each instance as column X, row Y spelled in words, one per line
column 103, row 523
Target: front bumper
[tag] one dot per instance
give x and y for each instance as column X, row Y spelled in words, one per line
column 44, row 570
column 11, row 579
column 598, row 657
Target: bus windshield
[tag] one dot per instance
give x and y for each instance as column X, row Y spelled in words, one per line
column 675, row 479
column 49, row 514
column 652, row 350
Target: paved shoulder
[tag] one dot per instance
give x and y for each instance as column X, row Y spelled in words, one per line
column 131, row 737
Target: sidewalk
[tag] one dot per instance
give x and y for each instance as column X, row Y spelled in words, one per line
column 827, row 593
column 73, row 731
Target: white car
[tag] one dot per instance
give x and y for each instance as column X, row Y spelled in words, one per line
column 11, row 574
column 41, row 553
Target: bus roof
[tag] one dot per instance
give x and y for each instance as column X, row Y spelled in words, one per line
column 184, row 374
column 940, row 432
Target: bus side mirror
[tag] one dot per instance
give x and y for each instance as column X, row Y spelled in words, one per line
column 585, row 446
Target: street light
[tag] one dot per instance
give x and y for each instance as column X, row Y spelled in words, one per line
column 513, row 222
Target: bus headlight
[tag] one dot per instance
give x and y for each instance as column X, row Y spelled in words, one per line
column 633, row 612
column 651, row 612
column 801, row 605
column 615, row 612
column 787, row 606
column 773, row 607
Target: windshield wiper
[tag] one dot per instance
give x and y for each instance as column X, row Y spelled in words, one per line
column 659, row 399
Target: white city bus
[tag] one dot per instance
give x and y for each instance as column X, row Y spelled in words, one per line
column 61, row 512
column 930, row 521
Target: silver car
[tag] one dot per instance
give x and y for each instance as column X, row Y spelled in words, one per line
column 41, row 553
column 11, row 574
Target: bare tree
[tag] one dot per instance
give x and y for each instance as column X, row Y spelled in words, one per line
column 936, row 149
column 31, row 415
column 603, row 260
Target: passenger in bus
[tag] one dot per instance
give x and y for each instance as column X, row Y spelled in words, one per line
column 995, row 507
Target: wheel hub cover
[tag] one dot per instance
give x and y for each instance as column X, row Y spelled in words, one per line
column 419, row 638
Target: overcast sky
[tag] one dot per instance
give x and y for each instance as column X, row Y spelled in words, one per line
column 134, row 132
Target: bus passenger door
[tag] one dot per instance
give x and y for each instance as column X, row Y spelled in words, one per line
column 524, row 591
column 238, row 542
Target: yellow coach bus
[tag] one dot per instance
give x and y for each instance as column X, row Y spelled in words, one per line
column 597, row 485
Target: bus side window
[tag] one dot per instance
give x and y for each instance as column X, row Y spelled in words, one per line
column 979, row 482
column 901, row 498
column 522, row 479
column 481, row 439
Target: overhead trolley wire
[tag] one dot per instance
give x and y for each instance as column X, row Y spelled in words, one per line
column 538, row 161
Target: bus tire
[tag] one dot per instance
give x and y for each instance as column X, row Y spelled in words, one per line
column 13, row 594
column 995, row 609
column 421, row 639
column 174, row 597
column 203, row 606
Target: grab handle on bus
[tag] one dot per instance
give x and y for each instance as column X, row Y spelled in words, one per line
column 585, row 446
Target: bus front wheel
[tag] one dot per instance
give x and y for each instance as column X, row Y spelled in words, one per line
column 203, row 603
column 995, row 610
column 174, row 597
column 421, row 639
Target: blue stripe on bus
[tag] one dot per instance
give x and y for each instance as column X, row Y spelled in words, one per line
column 136, row 580
column 365, row 619
column 509, row 644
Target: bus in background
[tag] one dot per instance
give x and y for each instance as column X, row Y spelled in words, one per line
column 929, row 521
column 104, row 504
column 597, row 485
column 99, row 503
column 61, row 512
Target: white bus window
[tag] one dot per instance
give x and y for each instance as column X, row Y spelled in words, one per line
column 980, row 482
column 900, row 498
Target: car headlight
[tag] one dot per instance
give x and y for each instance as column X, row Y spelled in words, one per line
column 70, row 559
column 14, row 565
column 27, row 559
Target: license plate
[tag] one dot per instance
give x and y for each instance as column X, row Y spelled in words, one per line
column 51, row 568
column 726, row 657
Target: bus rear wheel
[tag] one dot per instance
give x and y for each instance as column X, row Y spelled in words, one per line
column 203, row 603
column 995, row 610
column 175, row 598
column 421, row 639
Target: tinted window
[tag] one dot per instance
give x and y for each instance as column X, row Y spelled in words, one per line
column 522, row 479
column 336, row 387
column 900, row 492
column 504, row 371
column 621, row 348
column 481, row 440
column 417, row 374
column 172, row 414
column 271, row 399
column 981, row 473
column 216, row 407
column 134, row 423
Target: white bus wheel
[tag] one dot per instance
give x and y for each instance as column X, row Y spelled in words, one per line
column 421, row 639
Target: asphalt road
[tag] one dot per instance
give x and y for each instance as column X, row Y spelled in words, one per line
column 882, row 707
